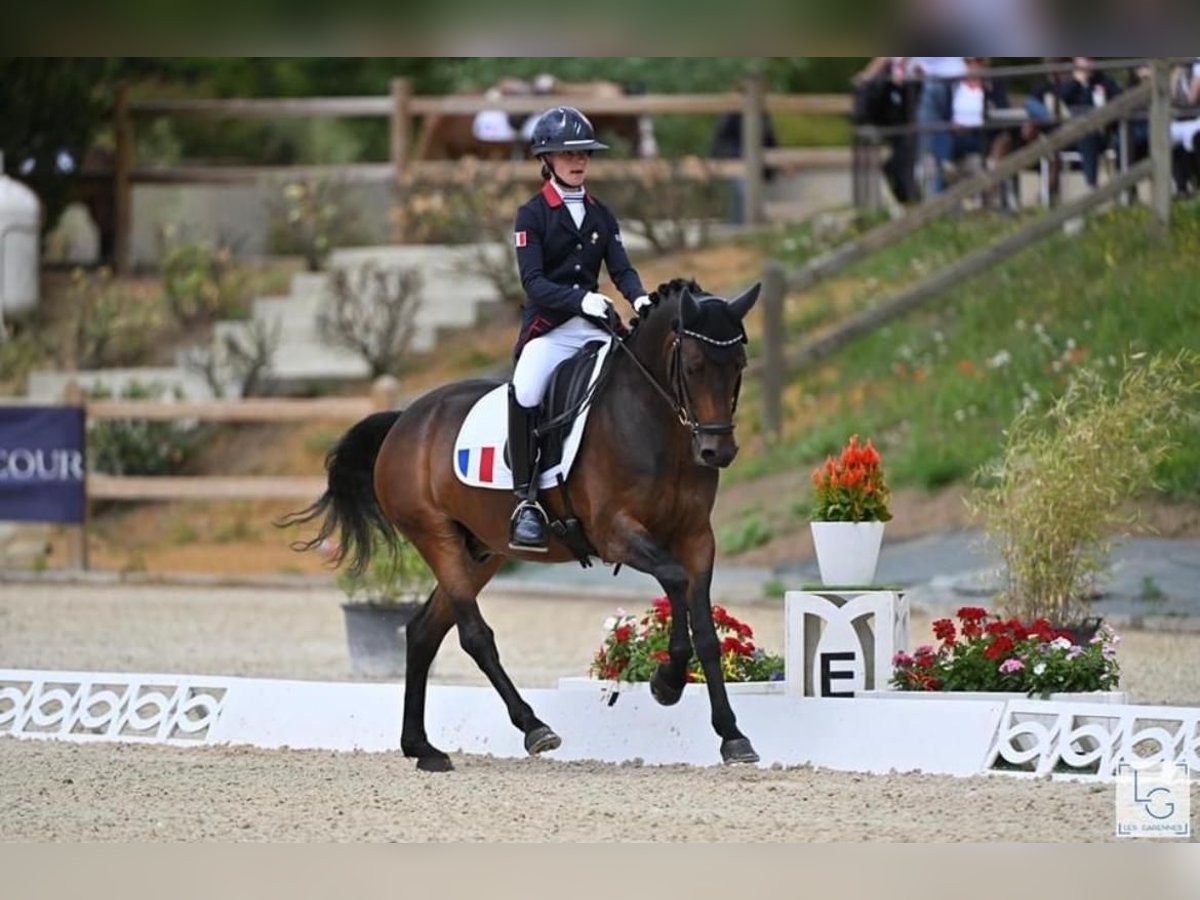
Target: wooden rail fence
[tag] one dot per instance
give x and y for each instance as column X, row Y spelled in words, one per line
column 402, row 108
column 385, row 394
column 777, row 363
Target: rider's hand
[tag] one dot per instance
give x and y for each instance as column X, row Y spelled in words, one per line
column 596, row 305
column 642, row 304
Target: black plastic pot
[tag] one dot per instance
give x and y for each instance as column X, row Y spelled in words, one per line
column 375, row 635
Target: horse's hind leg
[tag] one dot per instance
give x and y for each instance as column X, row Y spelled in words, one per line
column 461, row 578
column 424, row 634
column 479, row 641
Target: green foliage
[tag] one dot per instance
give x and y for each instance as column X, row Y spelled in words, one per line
column 750, row 531
column 938, row 387
column 202, row 283
column 1060, row 487
column 139, row 446
column 634, row 647
column 394, row 575
column 50, row 105
column 986, row 653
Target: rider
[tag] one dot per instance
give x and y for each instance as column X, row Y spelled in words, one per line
column 561, row 236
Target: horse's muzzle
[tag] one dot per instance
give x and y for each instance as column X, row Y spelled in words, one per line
column 716, row 457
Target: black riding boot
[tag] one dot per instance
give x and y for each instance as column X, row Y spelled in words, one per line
column 527, row 531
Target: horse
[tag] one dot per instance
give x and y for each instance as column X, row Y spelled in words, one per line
column 643, row 484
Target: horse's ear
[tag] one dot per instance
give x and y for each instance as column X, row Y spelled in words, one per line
column 689, row 309
column 743, row 303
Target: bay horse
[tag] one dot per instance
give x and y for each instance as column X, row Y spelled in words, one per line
column 642, row 485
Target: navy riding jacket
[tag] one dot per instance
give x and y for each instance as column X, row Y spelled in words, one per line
column 559, row 262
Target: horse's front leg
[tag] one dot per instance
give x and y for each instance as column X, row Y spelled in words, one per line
column 697, row 556
column 686, row 578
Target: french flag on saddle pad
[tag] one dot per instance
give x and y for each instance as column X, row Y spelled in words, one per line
column 477, row 463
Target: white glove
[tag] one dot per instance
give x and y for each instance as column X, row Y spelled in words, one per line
column 596, row 305
column 642, row 303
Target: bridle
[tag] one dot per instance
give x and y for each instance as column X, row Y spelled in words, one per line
column 681, row 402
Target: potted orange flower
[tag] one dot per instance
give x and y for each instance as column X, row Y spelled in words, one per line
column 850, row 507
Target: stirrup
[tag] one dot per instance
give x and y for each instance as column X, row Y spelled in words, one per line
column 513, row 544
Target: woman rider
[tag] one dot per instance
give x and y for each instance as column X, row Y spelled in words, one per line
column 561, row 235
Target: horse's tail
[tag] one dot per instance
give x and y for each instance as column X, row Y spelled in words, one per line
column 349, row 504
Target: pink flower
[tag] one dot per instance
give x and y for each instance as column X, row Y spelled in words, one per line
column 1011, row 665
column 901, row 659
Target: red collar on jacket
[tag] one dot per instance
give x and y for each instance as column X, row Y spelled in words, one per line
column 554, row 199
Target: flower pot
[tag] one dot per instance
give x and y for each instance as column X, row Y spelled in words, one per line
column 847, row 552
column 376, row 637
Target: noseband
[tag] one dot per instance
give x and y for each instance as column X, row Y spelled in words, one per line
column 681, row 403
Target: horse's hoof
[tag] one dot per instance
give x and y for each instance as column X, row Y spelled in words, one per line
column 738, row 751
column 438, row 763
column 540, row 740
column 664, row 693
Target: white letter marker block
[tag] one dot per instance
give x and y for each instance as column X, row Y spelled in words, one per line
column 837, row 643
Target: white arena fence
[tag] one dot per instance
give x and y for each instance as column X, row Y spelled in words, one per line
column 832, row 710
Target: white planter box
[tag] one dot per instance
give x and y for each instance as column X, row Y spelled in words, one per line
column 583, row 683
column 1117, row 697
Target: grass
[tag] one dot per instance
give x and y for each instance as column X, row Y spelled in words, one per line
column 936, row 389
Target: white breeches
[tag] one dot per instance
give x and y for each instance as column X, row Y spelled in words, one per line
column 539, row 357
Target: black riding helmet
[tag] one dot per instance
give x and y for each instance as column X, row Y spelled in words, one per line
column 563, row 128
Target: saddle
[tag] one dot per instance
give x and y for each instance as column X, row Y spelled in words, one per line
column 481, row 447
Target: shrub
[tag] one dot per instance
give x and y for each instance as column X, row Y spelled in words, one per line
column 372, row 311
column 1058, row 492
column 108, row 325
column 139, row 446
column 311, row 217
column 395, row 574
column 201, row 283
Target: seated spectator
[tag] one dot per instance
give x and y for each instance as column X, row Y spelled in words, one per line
column 1084, row 91
column 971, row 99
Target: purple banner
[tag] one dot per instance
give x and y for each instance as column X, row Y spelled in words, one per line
column 42, row 464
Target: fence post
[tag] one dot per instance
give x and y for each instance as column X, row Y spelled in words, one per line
column 401, row 134
column 773, row 293
column 753, row 106
column 1160, row 143
column 77, row 544
column 385, row 393
column 122, row 180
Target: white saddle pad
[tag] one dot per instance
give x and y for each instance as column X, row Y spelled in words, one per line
column 479, row 448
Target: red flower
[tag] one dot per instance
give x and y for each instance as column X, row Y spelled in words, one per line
column 944, row 630
column 662, row 609
column 621, row 633
column 997, row 628
column 998, row 648
column 661, row 656
column 972, row 614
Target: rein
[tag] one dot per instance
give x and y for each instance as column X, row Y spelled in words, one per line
column 681, row 402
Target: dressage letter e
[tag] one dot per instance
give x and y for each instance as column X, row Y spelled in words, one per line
column 827, row 674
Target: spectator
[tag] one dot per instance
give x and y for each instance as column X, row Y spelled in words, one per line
column 883, row 98
column 1086, row 90
column 933, row 112
column 971, row 99
column 727, row 144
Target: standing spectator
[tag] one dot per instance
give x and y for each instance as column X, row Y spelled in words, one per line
column 1084, row 91
column 937, row 73
column 727, row 144
column 883, row 98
